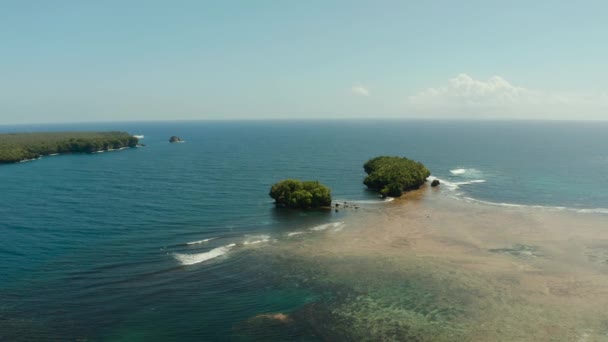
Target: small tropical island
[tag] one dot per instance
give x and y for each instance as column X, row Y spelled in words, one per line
column 17, row 147
column 391, row 176
column 175, row 139
column 296, row 194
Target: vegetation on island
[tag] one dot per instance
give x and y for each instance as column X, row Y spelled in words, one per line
column 296, row 194
column 391, row 176
column 16, row 147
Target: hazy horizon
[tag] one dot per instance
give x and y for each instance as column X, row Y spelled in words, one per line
column 346, row 119
column 70, row 62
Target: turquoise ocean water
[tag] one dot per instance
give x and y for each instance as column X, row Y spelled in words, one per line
column 143, row 244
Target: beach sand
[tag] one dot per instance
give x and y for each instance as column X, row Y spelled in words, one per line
column 429, row 267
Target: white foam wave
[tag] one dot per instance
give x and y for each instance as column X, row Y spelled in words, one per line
column 455, row 185
column 544, row 207
column 514, row 205
column 295, row 233
column 468, row 173
column 337, row 229
column 199, row 241
column 458, row 171
column 470, row 182
column 378, row 201
column 191, row 259
column 253, row 240
column 108, row 150
column 449, row 185
column 511, row 205
column 327, row 226
column 593, row 211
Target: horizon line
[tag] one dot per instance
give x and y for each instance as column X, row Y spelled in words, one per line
column 303, row 119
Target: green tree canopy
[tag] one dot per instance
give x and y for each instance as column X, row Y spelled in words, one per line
column 390, row 176
column 15, row 147
column 295, row 194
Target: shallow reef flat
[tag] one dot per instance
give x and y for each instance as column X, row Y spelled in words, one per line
column 432, row 268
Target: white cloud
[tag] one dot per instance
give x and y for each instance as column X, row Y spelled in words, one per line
column 360, row 90
column 497, row 97
column 464, row 90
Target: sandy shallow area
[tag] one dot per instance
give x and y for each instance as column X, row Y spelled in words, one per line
column 429, row 267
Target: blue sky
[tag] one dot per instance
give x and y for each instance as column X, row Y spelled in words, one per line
column 66, row 61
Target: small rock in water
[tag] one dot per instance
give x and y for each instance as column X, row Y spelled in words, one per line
column 435, row 182
column 175, row 139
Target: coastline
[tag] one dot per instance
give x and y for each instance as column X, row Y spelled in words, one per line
column 61, row 154
column 440, row 268
column 20, row 147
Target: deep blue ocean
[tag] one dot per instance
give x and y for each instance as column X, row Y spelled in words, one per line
column 139, row 244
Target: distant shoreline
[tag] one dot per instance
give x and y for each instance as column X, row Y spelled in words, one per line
column 24, row 147
column 65, row 153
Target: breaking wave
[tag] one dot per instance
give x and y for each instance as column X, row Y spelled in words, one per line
column 378, row 201
column 327, row 226
column 465, row 172
column 254, row 240
column 455, row 185
column 191, row 259
column 458, row 171
column 552, row 208
column 199, row 241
